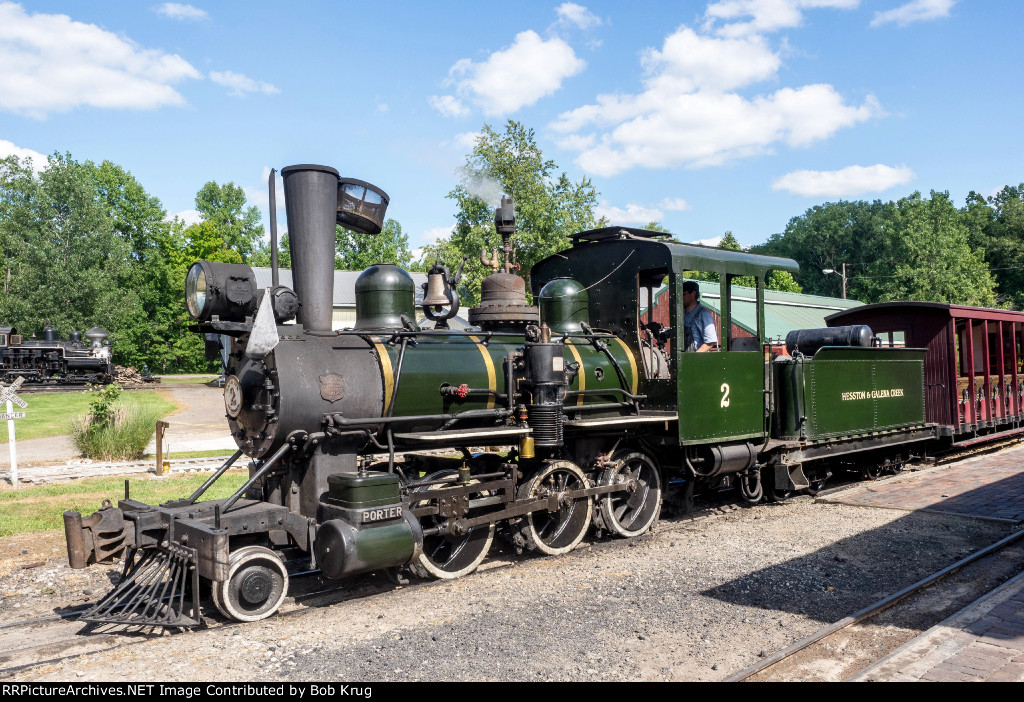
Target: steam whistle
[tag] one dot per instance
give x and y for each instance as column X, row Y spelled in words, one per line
column 505, row 225
column 441, row 291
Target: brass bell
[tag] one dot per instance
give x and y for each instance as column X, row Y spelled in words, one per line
column 435, row 291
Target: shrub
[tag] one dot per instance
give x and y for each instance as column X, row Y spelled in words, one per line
column 113, row 430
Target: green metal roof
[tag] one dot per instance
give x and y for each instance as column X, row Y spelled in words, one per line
column 783, row 311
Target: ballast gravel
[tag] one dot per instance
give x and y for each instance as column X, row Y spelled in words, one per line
column 698, row 599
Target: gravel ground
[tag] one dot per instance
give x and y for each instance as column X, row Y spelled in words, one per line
column 696, row 600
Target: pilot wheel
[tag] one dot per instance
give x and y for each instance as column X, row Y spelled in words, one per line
column 256, row 585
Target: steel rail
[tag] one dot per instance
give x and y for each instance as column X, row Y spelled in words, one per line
column 871, row 610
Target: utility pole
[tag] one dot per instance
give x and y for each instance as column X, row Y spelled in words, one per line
column 843, row 274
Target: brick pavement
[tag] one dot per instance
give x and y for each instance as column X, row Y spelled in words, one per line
column 984, row 487
column 984, row 642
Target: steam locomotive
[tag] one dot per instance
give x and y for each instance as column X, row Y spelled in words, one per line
column 50, row 360
column 604, row 409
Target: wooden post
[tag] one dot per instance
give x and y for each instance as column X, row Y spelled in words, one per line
column 161, row 427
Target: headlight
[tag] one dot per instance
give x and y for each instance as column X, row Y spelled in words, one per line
column 224, row 290
column 195, row 290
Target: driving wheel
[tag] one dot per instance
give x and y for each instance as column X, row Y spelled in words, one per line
column 559, row 531
column 633, row 511
column 448, row 556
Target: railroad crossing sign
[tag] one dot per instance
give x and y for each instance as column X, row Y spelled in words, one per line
column 9, row 395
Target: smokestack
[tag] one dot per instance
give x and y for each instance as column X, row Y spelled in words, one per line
column 311, row 203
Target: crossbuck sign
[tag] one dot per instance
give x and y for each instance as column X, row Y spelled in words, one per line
column 9, row 394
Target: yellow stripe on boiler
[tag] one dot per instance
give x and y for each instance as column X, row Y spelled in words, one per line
column 386, row 371
column 492, row 384
column 581, row 375
column 632, row 362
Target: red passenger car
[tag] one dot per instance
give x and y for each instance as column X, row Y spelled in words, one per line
column 974, row 372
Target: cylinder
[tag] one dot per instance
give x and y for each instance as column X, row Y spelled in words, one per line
column 808, row 341
column 311, row 204
column 342, row 549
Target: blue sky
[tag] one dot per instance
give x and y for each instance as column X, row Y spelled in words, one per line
column 707, row 116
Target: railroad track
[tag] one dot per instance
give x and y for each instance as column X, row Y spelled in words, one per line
column 58, row 637
column 80, row 387
column 841, row 650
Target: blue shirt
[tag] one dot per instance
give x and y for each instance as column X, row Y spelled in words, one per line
column 700, row 328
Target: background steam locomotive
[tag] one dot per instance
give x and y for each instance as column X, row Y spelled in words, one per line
column 604, row 410
column 53, row 360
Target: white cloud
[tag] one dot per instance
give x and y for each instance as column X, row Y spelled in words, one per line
column 690, row 112
column 39, row 162
column 713, row 241
column 189, row 217
column 448, row 105
column 53, row 64
column 675, row 204
column 241, row 84
column 632, row 214
column 571, row 13
column 846, row 182
column 916, row 11
column 517, row 76
column 688, row 61
column 180, row 11
column 466, row 140
column 765, row 15
column 432, row 235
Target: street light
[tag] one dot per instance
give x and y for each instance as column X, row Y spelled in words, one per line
column 826, row 271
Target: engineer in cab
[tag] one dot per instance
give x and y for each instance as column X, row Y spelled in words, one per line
column 697, row 320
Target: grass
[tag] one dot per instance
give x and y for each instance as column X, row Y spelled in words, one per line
column 123, row 437
column 35, row 509
column 50, row 414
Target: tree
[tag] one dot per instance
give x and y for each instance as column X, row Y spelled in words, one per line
column 827, row 236
column 911, row 249
column 548, row 208
column 782, row 281
column 67, row 263
column 926, row 255
column 261, row 256
column 239, row 226
column 355, row 251
column 996, row 225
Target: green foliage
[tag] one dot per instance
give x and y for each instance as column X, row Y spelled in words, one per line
column 548, row 207
column 114, row 430
column 356, row 252
column 782, row 281
column 910, row 249
column 238, row 226
column 996, row 225
column 101, row 407
column 261, row 257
